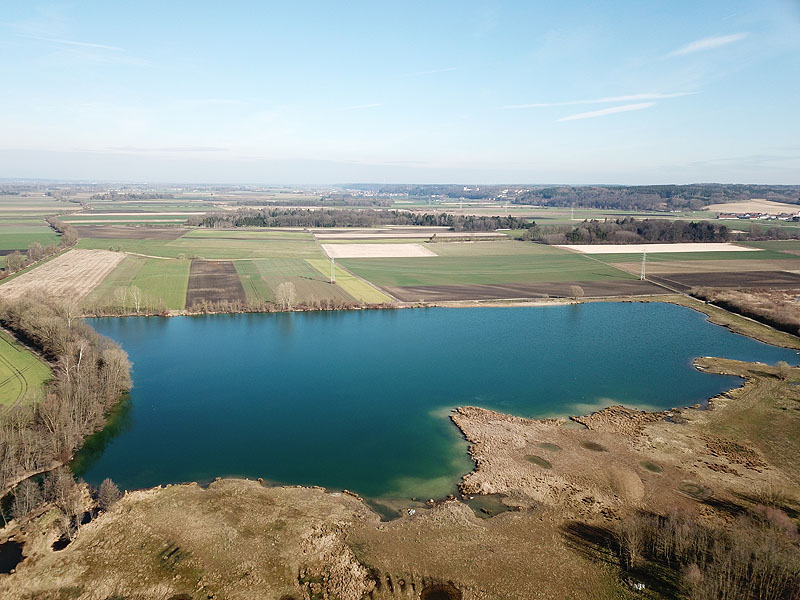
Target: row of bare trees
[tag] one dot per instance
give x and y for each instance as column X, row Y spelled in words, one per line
column 90, row 374
column 756, row 556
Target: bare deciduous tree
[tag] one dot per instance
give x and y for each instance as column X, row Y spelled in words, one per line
column 27, row 497
column 108, row 494
column 121, row 297
column 286, row 295
column 136, row 298
column 576, row 291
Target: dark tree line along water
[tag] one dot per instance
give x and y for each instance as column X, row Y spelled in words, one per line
column 90, row 374
column 298, row 217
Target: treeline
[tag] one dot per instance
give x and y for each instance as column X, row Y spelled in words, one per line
column 115, row 195
column 330, row 200
column 760, row 305
column 353, row 218
column 90, row 374
column 630, row 231
column 756, row 557
column 639, row 197
column 655, row 197
column 16, row 261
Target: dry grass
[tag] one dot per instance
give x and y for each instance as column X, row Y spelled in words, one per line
column 71, row 275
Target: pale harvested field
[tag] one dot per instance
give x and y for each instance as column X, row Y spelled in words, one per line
column 71, row 275
column 661, row 248
column 755, row 205
column 376, row 250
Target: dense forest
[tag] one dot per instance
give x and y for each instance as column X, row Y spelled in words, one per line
column 642, row 231
column 621, row 197
column 90, row 374
column 354, row 218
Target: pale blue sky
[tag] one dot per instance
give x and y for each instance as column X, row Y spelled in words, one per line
column 324, row 92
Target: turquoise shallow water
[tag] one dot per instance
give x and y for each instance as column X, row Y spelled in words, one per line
column 360, row 399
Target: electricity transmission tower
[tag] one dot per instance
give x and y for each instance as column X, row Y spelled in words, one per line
column 644, row 264
column 333, row 270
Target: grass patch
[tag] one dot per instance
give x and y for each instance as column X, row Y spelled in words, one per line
column 248, row 234
column 465, row 270
column 351, row 284
column 494, row 248
column 164, row 281
column 22, row 374
column 261, row 278
column 224, row 249
column 121, row 277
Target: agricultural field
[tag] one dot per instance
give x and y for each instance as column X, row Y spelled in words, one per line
column 214, row 281
column 224, row 245
column 22, row 373
column 71, row 275
column 351, row 284
column 155, row 283
column 261, row 279
column 548, row 264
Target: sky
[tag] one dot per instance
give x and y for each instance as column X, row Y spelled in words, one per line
column 304, row 92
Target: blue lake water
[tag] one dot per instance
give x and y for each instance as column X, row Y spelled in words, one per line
column 360, row 399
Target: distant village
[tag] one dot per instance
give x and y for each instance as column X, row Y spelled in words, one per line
column 759, row 216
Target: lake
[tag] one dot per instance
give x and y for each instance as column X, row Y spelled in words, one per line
column 360, row 399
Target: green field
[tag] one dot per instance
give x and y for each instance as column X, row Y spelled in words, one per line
column 16, row 235
column 161, row 282
column 351, row 284
column 121, row 277
column 248, row 234
column 164, row 281
column 214, row 248
column 466, row 270
column 493, row 248
column 261, row 279
column 22, row 374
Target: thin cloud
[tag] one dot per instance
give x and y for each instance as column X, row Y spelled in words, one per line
column 75, row 43
column 605, row 100
column 362, row 106
column 708, row 44
column 608, row 111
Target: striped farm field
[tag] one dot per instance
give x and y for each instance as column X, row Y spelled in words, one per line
column 164, row 281
column 466, row 270
column 22, row 374
column 211, row 248
column 121, row 277
column 351, row 284
column 261, row 278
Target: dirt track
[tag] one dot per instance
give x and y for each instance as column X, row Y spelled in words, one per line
column 435, row 293
column 214, row 281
